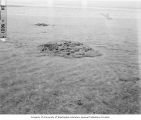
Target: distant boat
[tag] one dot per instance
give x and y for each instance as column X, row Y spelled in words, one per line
column 107, row 16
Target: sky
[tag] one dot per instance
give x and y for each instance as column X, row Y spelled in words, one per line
column 27, row 2
column 95, row 3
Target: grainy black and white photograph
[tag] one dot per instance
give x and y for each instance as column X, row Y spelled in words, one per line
column 70, row 57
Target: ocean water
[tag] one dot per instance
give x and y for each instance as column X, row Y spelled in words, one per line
column 32, row 84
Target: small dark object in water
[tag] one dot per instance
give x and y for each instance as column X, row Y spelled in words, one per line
column 68, row 53
column 41, row 24
column 79, row 102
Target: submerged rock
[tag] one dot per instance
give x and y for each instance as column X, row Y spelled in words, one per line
column 68, row 49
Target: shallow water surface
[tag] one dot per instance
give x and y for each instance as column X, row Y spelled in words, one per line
column 31, row 83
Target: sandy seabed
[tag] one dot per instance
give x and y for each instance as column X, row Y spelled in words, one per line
column 34, row 84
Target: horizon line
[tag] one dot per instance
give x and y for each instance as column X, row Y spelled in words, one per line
column 63, row 6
